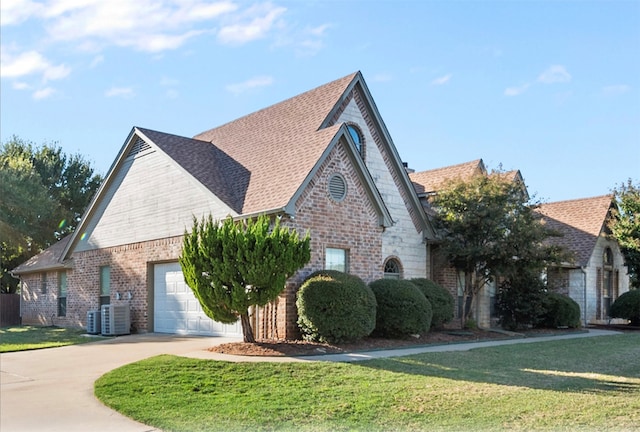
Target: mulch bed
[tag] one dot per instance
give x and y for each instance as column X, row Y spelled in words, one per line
column 292, row 348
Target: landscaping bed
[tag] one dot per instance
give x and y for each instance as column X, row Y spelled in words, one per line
column 292, row 348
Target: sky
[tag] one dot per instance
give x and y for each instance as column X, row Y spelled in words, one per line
column 551, row 88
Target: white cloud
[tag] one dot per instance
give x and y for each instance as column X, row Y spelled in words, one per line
column 18, row 11
column 145, row 25
column 21, row 85
column 96, row 61
column 254, row 23
column 382, row 77
column 516, row 91
column 442, row 80
column 124, row 92
column 43, row 93
column 615, row 90
column 554, row 74
column 30, row 63
column 260, row 81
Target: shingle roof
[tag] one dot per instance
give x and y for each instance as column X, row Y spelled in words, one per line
column 278, row 146
column 221, row 174
column 580, row 221
column 48, row 259
column 433, row 180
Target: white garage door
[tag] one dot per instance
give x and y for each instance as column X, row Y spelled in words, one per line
column 176, row 309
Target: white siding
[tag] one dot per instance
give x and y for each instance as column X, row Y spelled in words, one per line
column 149, row 198
column 401, row 240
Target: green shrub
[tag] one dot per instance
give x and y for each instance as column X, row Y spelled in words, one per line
column 627, row 306
column 335, row 307
column 520, row 301
column 441, row 300
column 559, row 311
column 402, row 308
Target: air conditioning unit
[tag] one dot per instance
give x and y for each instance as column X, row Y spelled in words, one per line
column 93, row 322
column 115, row 320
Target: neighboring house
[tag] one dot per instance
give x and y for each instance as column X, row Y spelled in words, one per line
column 427, row 185
column 322, row 161
column 596, row 275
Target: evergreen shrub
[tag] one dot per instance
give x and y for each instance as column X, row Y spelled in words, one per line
column 627, row 306
column 441, row 300
column 560, row 311
column 335, row 307
column 402, row 308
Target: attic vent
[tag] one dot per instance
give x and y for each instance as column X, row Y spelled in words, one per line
column 337, row 187
column 138, row 147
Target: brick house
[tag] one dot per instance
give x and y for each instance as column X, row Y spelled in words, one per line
column 596, row 275
column 322, row 161
column 594, row 278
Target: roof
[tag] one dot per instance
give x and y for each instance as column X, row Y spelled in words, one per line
column 431, row 181
column 279, row 145
column 580, row 221
column 48, row 259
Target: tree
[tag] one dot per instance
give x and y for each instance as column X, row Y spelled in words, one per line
column 489, row 229
column 625, row 227
column 43, row 193
column 231, row 266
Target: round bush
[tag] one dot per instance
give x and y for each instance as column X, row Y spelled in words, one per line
column 402, row 308
column 627, row 306
column 335, row 307
column 560, row 311
column 440, row 298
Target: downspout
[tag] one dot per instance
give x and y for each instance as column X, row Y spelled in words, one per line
column 584, row 286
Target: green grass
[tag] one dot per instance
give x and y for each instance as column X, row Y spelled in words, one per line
column 33, row 337
column 580, row 384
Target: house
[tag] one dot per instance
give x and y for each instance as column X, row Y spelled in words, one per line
column 427, row 184
column 596, row 275
column 322, row 161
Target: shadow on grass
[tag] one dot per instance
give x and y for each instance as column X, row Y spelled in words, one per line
column 594, row 365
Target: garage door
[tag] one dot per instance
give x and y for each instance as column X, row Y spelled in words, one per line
column 176, row 309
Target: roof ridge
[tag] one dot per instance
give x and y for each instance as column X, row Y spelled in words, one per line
column 609, row 196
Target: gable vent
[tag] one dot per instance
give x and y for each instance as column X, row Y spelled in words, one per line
column 138, row 147
column 337, row 187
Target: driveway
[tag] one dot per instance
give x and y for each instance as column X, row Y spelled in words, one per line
column 52, row 389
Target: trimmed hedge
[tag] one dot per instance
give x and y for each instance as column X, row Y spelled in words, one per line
column 627, row 306
column 560, row 311
column 402, row 308
column 335, row 307
column 441, row 300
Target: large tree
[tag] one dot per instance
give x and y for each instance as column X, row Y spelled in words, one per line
column 43, row 193
column 625, row 227
column 489, row 229
column 233, row 265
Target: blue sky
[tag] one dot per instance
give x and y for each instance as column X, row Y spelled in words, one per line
column 548, row 87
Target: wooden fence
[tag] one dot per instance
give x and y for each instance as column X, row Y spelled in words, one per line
column 9, row 309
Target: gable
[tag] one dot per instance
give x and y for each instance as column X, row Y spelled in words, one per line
column 146, row 196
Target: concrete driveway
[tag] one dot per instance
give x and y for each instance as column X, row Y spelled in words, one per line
column 52, row 389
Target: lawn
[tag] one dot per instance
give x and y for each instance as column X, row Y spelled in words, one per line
column 33, row 337
column 580, row 384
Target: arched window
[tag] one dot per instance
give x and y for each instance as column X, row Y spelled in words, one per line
column 392, row 269
column 357, row 137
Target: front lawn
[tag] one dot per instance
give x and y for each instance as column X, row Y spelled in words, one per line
column 580, row 384
column 22, row 338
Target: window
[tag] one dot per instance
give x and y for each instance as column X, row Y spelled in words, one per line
column 607, row 281
column 335, row 259
column 105, row 285
column 62, row 294
column 356, row 135
column 392, row 269
column 43, row 288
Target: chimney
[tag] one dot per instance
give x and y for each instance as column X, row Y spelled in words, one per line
column 407, row 169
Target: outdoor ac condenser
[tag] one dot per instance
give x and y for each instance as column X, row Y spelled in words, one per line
column 93, row 322
column 115, row 320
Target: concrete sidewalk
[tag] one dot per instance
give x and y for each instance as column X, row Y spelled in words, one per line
column 52, row 389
